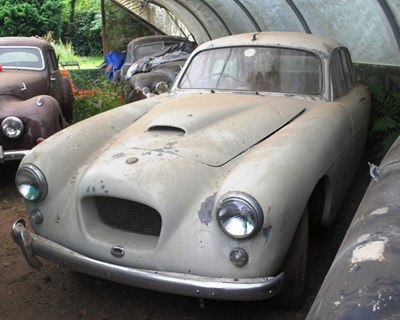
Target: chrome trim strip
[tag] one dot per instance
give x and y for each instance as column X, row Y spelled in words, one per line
column 176, row 283
column 12, row 154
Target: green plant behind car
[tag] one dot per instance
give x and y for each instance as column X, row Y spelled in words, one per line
column 384, row 118
column 95, row 96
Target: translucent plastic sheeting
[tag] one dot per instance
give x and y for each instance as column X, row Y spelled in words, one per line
column 361, row 25
column 369, row 28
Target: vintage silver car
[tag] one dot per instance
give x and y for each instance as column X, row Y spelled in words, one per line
column 208, row 190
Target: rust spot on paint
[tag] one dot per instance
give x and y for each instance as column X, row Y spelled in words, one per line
column 205, row 213
column 131, row 160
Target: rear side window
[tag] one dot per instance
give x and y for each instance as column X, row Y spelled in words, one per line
column 341, row 72
column 52, row 58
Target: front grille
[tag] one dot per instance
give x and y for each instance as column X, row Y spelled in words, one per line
column 129, row 215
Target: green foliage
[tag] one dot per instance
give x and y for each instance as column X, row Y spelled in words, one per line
column 85, row 33
column 96, row 96
column 30, row 17
column 86, row 5
column 384, row 119
column 82, row 26
column 64, row 51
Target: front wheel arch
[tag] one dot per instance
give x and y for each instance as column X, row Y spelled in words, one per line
column 67, row 99
column 294, row 266
column 317, row 201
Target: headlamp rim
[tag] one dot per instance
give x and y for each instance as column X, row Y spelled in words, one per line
column 249, row 201
column 15, row 120
column 39, row 178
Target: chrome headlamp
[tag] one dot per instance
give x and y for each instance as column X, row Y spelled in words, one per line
column 31, row 183
column 239, row 215
column 161, row 87
column 12, row 127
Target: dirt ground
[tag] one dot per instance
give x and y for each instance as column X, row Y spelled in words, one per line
column 54, row 293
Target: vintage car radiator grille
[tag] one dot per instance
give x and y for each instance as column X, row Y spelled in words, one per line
column 129, row 215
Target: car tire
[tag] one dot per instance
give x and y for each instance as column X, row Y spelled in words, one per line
column 295, row 265
column 67, row 99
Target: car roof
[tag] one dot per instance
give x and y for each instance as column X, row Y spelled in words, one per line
column 156, row 38
column 277, row 39
column 23, row 41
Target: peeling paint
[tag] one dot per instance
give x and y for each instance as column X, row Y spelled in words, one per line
column 266, row 232
column 371, row 251
column 380, row 211
column 118, row 155
column 205, row 213
column 90, row 189
column 103, row 187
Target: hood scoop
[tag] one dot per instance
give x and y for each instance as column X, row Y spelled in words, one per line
column 168, row 130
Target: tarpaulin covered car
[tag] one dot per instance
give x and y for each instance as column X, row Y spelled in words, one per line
column 35, row 99
column 206, row 191
column 152, row 63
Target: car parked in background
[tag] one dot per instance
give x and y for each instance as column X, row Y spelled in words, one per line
column 206, row 191
column 152, row 63
column 35, row 99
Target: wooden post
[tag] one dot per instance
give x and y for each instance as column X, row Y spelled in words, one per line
column 104, row 28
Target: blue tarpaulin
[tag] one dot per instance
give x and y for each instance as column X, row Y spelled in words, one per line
column 114, row 62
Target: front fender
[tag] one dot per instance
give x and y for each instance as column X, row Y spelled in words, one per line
column 41, row 116
column 282, row 171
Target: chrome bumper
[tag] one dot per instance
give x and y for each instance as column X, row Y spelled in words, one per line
column 12, row 154
column 176, row 283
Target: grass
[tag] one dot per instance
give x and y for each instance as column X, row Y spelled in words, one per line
column 66, row 53
column 89, row 62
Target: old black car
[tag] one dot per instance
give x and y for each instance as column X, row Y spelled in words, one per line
column 153, row 62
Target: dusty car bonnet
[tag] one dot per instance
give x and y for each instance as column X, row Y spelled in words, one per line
column 21, row 83
column 209, row 128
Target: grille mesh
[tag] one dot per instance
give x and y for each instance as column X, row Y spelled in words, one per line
column 129, row 215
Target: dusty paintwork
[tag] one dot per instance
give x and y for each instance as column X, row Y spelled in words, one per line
column 363, row 281
column 32, row 90
column 185, row 154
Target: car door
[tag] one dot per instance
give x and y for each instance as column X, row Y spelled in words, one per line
column 353, row 97
column 54, row 75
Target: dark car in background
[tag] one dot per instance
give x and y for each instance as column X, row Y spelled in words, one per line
column 153, row 62
column 35, row 99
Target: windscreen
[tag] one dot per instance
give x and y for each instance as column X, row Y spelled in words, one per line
column 21, row 58
column 261, row 69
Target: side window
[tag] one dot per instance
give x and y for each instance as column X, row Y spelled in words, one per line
column 52, row 60
column 341, row 72
column 347, row 67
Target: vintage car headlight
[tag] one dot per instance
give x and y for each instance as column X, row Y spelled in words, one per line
column 12, row 127
column 239, row 215
column 161, row 87
column 31, row 183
